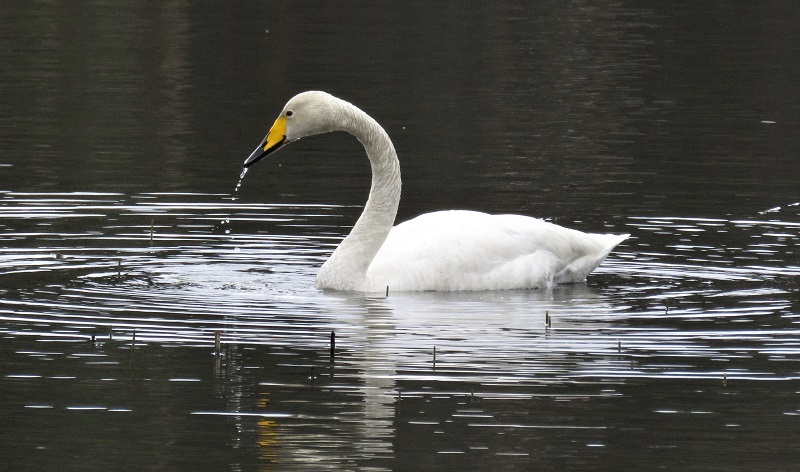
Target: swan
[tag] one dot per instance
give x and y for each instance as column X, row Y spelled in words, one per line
column 439, row 251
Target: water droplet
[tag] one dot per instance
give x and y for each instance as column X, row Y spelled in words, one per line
column 241, row 178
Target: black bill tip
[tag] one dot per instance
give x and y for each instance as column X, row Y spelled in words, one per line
column 259, row 153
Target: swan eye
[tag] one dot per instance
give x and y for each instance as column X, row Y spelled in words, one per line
column 289, row 113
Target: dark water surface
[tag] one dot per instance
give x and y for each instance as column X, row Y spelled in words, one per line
column 123, row 126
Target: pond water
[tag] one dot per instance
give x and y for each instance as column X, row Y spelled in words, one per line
column 126, row 251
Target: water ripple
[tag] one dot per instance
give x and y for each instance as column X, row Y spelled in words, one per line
column 176, row 268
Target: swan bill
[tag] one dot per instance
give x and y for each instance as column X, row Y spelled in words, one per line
column 274, row 140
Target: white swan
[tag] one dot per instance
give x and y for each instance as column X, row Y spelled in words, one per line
column 443, row 250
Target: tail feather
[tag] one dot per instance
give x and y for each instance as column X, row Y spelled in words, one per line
column 579, row 269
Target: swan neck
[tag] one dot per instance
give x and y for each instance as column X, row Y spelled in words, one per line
column 347, row 267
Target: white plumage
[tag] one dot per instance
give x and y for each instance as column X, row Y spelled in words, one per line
column 444, row 250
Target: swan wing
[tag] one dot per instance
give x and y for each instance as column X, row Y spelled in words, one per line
column 467, row 250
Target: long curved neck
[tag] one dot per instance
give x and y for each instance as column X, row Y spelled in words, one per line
column 346, row 269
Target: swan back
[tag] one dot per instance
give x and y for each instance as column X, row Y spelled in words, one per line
column 468, row 250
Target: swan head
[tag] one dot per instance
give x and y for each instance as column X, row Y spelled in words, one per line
column 306, row 114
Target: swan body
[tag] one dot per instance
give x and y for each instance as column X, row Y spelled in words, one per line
column 443, row 250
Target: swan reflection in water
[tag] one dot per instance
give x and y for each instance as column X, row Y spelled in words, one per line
column 385, row 353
